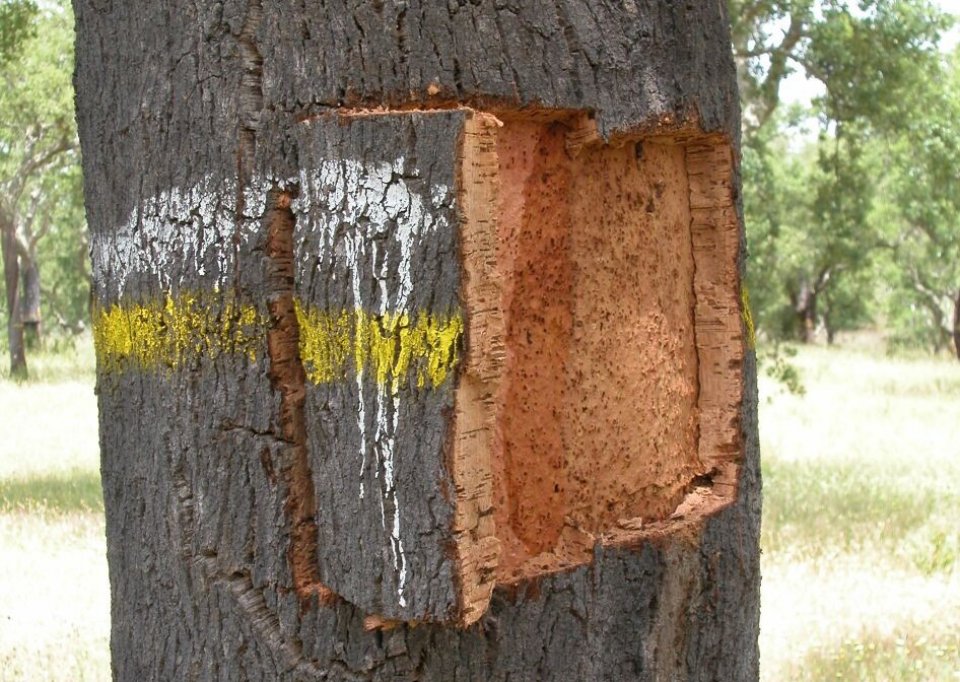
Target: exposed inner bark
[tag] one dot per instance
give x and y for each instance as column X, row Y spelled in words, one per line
column 601, row 387
column 288, row 379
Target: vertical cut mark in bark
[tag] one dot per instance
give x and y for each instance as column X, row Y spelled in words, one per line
column 288, row 378
column 477, row 547
column 251, row 89
column 714, row 225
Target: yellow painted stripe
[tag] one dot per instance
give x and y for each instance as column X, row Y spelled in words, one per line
column 167, row 333
column 388, row 346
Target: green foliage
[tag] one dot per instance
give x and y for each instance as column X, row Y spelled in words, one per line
column 775, row 359
column 17, row 25
column 870, row 55
column 64, row 255
column 862, row 220
column 865, row 53
column 777, row 207
column 40, row 180
column 920, row 213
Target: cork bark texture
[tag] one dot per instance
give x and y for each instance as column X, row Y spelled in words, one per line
column 420, row 340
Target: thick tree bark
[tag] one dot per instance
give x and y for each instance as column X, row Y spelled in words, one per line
column 420, row 341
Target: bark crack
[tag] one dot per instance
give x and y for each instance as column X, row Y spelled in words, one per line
column 251, row 87
column 693, row 303
column 264, row 620
column 288, row 379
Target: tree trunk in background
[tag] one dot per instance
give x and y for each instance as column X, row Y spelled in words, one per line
column 805, row 308
column 420, row 340
column 11, row 278
column 30, row 316
column 956, row 325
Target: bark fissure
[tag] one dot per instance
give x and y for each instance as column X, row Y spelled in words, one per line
column 693, row 303
column 288, row 378
column 263, row 618
column 251, row 89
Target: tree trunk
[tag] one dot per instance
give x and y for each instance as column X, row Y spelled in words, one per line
column 420, row 347
column 956, row 325
column 805, row 307
column 11, row 278
column 30, row 316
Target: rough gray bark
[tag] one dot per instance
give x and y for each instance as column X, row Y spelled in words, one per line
column 217, row 160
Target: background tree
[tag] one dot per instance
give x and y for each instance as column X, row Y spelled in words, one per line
column 918, row 173
column 17, row 24
column 39, row 178
column 810, row 225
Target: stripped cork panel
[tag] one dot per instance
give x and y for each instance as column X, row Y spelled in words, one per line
column 722, row 311
column 602, row 380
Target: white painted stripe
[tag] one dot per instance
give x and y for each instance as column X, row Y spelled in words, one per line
column 363, row 203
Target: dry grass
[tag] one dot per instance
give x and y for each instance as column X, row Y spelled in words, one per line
column 861, row 535
column 54, row 599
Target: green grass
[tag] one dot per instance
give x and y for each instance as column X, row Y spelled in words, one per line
column 904, row 655
column 881, row 516
column 860, row 537
column 75, row 490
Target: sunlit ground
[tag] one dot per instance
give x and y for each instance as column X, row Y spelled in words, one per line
column 861, row 531
column 54, row 596
column 861, row 518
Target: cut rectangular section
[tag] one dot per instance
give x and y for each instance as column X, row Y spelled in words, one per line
column 533, row 338
column 602, row 376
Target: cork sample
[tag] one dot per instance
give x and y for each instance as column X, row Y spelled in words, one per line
column 601, row 385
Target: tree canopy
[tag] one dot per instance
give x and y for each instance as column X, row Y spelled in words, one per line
column 856, row 224
column 41, row 208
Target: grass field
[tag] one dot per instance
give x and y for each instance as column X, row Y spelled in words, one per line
column 861, row 543
column 861, row 532
column 54, row 596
